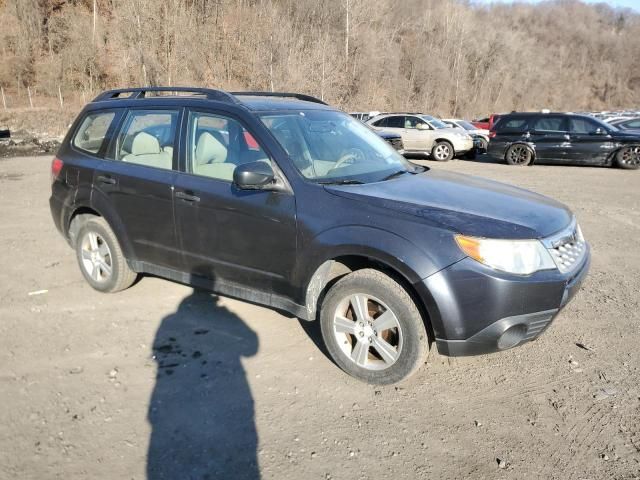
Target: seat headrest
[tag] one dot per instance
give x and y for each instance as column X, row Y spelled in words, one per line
column 144, row 144
column 209, row 150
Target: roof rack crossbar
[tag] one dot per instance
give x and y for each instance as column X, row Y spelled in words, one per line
column 141, row 92
column 299, row 96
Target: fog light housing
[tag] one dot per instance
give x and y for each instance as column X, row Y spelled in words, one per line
column 512, row 336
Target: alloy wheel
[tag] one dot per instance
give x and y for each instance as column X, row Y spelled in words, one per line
column 630, row 156
column 519, row 155
column 367, row 331
column 96, row 257
column 441, row 151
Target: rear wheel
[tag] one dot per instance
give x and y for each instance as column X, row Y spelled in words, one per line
column 100, row 257
column 628, row 158
column 442, row 151
column 372, row 328
column 519, row 154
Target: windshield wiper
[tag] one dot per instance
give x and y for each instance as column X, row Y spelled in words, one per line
column 341, row 181
column 397, row 174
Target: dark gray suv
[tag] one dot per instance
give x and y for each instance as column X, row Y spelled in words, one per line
column 282, row 200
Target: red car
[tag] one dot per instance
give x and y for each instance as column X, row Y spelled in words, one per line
column 486, row 123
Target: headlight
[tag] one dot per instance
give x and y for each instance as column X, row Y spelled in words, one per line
column 521, row 257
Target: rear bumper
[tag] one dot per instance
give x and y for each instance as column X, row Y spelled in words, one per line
column 475, row 310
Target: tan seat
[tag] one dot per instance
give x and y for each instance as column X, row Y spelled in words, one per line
column 209, row 158
column 145, row 150
column 209, row 150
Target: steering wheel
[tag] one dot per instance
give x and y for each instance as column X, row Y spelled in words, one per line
column 350, row 156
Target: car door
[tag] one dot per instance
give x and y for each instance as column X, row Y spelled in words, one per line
column 230, row 236
column 136, row 179
column 419, row 133
column 549, row 134
column 590, row 142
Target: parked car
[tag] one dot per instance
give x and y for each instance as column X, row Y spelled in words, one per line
column 627, row 124
column 392, row 138
column 321, row 219
column 486, row 123
column 363, row 116
column 424, row 134
column 527, row 138
column 480, row 136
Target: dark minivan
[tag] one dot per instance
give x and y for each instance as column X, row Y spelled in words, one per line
column 567, row 138
column 284, row 201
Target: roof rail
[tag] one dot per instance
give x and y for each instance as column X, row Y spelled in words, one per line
column 299, row 96
column 141, row 92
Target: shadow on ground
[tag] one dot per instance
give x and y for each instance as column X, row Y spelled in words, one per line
column 201, row 411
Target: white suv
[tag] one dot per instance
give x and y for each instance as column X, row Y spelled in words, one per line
column 425, row 134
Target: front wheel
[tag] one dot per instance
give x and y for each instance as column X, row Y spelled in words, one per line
column 442, row 151
column 628, row 158
column 372, row 328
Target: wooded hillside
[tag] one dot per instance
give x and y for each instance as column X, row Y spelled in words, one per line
column 445, row 57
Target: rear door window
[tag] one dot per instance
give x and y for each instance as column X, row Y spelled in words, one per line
column 550, row 124
column 396, row 122
column 92, row 131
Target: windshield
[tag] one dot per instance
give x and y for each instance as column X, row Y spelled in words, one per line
column 332, row 147
column 435, row 123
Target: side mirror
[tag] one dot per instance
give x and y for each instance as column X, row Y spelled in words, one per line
column 422, row 126
column 254, row 176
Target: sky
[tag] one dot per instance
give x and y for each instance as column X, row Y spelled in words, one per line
column 634, row 4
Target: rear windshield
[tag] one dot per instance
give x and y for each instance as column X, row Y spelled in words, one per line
column 92, row 131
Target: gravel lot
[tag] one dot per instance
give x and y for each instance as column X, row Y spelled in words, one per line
column 160, row 381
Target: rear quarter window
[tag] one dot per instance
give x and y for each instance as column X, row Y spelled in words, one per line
column 92, row 131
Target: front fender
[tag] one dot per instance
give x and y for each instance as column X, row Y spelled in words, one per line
column 378, row 245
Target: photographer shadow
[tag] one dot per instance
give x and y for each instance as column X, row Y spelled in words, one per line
column 201, row 410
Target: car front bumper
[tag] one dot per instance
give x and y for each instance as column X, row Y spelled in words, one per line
column 463, row 145
column 475, row 310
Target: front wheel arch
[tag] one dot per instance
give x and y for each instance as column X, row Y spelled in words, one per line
column 332, row 270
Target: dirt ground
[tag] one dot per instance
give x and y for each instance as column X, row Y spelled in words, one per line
column 162, row 382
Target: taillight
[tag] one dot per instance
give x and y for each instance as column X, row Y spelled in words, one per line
column 492, row 133
column 56, row 168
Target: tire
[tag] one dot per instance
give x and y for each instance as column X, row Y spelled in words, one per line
column 628, row 158
column 442, row 151
column 518, row 154
column 384, row 347
column 100, row 257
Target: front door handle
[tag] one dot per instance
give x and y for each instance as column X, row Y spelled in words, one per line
column 187, row 197
column 107, row 179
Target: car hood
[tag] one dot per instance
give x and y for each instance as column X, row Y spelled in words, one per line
column 464, row 204
column 628, row 135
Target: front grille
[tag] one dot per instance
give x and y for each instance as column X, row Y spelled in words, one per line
column 567, row 248
column 396, row 143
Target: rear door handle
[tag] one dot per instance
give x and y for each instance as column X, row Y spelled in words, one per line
column 187, row 197
column 567, row 137
column 107, row 179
